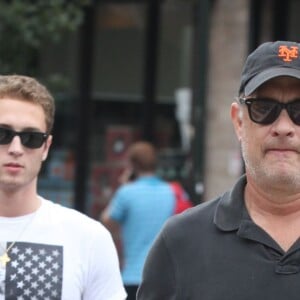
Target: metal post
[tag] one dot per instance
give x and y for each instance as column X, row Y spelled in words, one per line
column 254, row 24
column 202, row 13
column 84, row 110
column 280, row 19
column 151, row 50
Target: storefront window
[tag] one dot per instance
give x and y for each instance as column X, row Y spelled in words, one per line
column 117, row 97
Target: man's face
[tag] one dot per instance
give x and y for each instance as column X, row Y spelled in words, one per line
column 20, row 165
column 271, row 152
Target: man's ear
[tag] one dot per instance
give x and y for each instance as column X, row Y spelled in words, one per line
column 47, row 145
column 236, row 118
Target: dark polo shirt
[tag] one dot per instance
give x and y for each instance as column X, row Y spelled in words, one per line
column 215, row 252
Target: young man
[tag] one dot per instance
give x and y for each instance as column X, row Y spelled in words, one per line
column 244, row 244
column 138, row 211
column 46, row 251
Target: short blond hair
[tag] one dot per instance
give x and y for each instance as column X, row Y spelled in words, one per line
column 27, row 88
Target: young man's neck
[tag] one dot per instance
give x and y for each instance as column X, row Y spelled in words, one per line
column 18, row 203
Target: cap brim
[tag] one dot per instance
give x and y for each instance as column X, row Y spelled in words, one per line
column 262, row 77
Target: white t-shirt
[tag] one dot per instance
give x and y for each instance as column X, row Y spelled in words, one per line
column 59, row 254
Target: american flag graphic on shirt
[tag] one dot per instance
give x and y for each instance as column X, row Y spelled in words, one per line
column 34, row 272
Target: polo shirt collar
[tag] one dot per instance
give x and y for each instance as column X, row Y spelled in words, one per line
column 232, row 215
column 231, row 207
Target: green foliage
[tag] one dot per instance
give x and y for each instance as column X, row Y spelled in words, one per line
column 25, row 25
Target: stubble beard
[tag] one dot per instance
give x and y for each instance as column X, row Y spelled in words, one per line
column 267, row 174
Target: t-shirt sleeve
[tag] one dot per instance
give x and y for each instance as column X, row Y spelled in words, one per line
column 117, row 206
column 104, row 280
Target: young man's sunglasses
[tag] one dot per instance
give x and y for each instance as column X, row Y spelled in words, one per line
column 265, row 111
column 29, row 139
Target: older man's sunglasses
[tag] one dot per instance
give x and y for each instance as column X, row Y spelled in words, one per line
column 265, row 111
column 29, row 139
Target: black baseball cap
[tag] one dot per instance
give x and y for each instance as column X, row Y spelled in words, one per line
column 269, row 60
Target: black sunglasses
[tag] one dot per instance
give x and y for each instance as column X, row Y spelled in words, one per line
column 265, row 111
column 29, row 139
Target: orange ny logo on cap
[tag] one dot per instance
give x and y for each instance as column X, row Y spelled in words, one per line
column 288, row 54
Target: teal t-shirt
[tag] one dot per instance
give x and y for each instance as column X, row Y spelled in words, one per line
column 141, row 208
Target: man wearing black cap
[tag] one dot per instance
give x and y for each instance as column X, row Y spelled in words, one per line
column 245, row 244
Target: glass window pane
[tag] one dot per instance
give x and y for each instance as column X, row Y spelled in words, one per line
column 119, row 41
